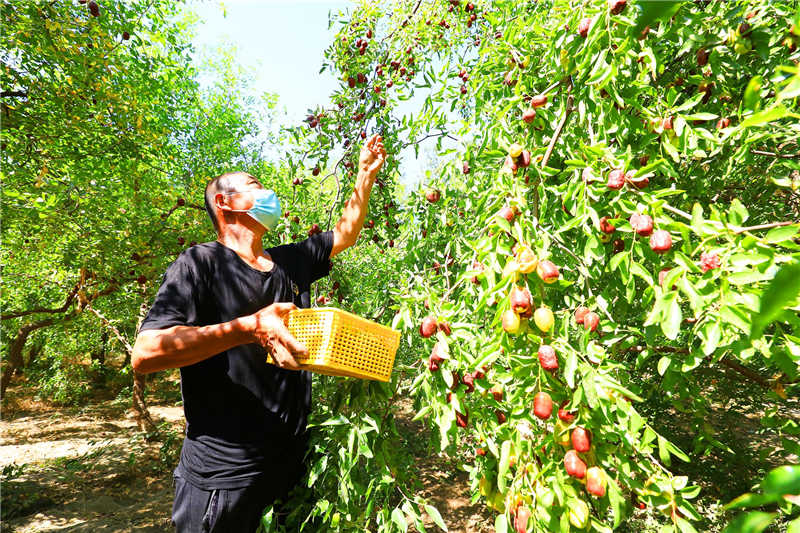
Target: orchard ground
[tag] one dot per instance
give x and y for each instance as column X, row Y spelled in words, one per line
column 89, row 468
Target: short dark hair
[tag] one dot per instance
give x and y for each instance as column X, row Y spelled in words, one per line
column 220, row 184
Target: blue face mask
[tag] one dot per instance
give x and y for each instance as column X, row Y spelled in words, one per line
column 266, row 208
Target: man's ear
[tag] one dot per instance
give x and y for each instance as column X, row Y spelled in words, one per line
column 219, row 201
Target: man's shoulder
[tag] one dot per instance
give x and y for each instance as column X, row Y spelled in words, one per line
column 200, row 258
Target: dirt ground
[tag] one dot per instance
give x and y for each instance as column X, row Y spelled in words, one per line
column 89, row 469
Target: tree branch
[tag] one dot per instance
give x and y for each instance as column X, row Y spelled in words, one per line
column 442, row 134
column 765, row 226
column 552, row 145
column 752, row 375
column 743, row 370
column 113, row 328
column 67, row 302
column 774, row 154
column 14, row 94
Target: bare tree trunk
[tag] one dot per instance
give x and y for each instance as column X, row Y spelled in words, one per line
column 143, row 418
column 98, row 355
column 15, row 347
column 34, row 352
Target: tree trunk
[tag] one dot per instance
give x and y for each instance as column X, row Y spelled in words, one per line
column 15, row 347
column 143, row 417
column 99, row 355
column 33, row 354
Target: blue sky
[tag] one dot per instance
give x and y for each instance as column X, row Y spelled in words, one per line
column 280, row 44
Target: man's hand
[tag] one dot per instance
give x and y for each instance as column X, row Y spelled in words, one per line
column 373, row 154
column 268, row 328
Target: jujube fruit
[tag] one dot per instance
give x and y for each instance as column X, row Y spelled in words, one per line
column 529, row 115
column 544, row 319
column 547, row 357
column 606, row 226
column 511, row 321
column 428, row 326
column 565, row 415
column 596, row 481
column 591, row 321
column 580, row 313
column 515, row 150
column 506, row 213
column 521, row 520
column 642, row 224
column 521, row 301
column 497, row 392
column 581, row 439
column 542, row 405
column 660, row 241
column 617, row 6
column 539, row 100
column 583, row 26
column 574, row 465
column 548, row 271
column 616, row 179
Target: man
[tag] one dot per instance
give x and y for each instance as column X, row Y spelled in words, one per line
column 220, row 308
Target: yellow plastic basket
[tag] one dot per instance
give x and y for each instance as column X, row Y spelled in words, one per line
column 343, row 344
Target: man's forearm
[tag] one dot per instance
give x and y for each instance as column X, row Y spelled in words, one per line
column 355, row 210
column 184, row 345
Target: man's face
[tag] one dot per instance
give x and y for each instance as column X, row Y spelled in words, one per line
column 239, row 197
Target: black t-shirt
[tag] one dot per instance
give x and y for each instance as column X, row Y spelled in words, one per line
column 242, row 414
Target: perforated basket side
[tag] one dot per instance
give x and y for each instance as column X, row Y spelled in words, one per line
column 363, row 346
column 313, row 328
column 343, row 344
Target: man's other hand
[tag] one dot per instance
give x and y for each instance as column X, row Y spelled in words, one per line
column 268, row 327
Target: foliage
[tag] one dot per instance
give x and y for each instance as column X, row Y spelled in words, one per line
column 781, row 487
column 690, row 106
column 694, row 104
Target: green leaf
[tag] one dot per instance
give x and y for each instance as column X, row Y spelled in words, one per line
column 782, row 480
column 700, row 116
column 782, row 291
column 781, row 234
column 649, row 12
column 663, row 451
column 768, row 115
column 505, row 459
column 400, row 519
column 752, row 98
column 617, row 503
column 737, row 212
column 663, row 364
column 433, row 512
column 748, row 278
column 569, row 368
column 501, row 524
column 671, row 323
column 684, row 526
column 752, row 500
column 753, row 522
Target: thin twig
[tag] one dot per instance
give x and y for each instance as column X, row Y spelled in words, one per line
column 765, row 226
column 551, row 146
column 773, row 154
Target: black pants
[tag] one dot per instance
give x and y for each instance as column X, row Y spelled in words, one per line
column 238, row 510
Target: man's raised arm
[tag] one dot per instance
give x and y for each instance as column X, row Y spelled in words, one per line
column 346, row 231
